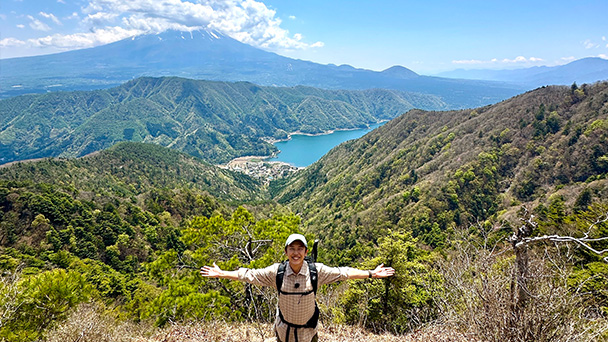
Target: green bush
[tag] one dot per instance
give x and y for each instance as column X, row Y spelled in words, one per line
column 400, row 303
column 45, row 299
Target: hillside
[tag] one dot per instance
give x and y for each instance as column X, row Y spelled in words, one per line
column 227, row 332
column 210, row 55
column 124, row 186
column 428, row 172
column 215, row 121
column 130, row 170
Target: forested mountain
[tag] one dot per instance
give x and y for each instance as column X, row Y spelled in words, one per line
column 216, row 121
column 427, row 172
column 87, row 229
column 211, row 55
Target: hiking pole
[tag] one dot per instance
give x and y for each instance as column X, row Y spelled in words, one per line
column 313, row 253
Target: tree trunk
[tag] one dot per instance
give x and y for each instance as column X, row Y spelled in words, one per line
column 521, row 261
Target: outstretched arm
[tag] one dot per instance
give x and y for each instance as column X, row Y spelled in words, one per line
column 216, row 272
column 379, row 272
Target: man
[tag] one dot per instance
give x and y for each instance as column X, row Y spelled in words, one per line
column 297, row 314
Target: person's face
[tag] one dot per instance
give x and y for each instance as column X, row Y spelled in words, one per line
column 296, row 252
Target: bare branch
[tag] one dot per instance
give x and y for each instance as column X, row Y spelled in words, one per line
column 521, row 237
column 598, row 221
column 557, row 238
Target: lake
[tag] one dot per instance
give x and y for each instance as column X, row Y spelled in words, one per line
column 302, row 150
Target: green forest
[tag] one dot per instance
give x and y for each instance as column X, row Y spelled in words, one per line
column 495, row 219
column 215, row 121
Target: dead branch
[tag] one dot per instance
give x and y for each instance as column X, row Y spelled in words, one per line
column 522, row 237
column 558, row 238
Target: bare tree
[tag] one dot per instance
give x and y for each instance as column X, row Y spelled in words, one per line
column 522, row 239
column 512, row 292
column 9, row 296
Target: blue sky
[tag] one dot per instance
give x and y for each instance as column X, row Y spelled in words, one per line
column 425, row 36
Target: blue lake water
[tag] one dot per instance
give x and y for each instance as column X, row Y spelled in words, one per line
column 303, row 150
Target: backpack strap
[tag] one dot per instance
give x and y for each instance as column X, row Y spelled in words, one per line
column 314, row 277
column 312, row 323
column 281, row 274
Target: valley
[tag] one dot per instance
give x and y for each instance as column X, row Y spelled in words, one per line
column 216, row 121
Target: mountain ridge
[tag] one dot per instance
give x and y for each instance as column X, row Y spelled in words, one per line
column 131, row 164
column 209, row 55
column 585, row 70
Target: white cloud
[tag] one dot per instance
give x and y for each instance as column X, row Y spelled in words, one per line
column 37, row 24
column 20, row 26
column 249, row 21
column 106, row 21
column 74, row 15
column 603, row 56
column 568, row 59
column 61, row 2
column 11, row 42
column 518, row 59
column 522, row 59
column 100, row 18
column 51, row 16
column 142, row 25
column 292, row 17
column 469, row 61
column 589, row 44
column 74, row 41
column 83, row 40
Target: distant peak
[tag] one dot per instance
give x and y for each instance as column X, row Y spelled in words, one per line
column 590, row 60
column 400, row 72
column 190, row 34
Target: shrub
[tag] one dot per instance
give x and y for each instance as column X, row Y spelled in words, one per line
column 45, row 299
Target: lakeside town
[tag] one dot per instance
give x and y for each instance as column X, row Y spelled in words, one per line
column 258, row 167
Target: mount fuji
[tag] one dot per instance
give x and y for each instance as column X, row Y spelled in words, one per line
column 210, row 55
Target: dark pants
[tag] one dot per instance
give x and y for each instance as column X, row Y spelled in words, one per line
column 314, row 338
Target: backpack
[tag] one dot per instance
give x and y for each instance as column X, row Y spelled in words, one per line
column 314, row 279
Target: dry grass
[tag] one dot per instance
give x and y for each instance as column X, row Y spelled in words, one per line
column 90, row 323
column 216, row 332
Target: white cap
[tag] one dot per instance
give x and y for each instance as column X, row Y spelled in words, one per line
column 296, row 237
